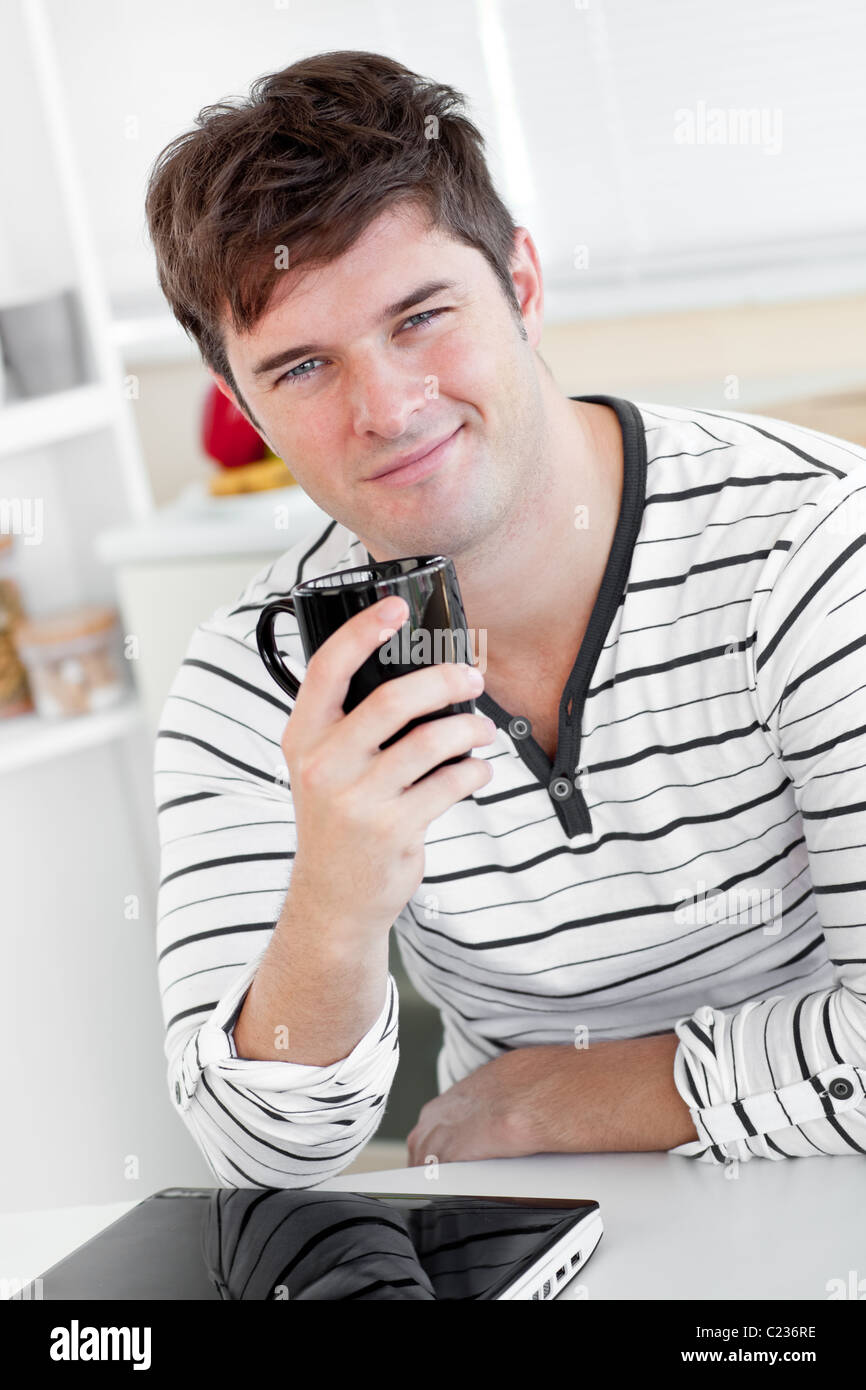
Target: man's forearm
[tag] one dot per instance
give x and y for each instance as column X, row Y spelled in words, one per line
column 316, row 992
column 609, row 1097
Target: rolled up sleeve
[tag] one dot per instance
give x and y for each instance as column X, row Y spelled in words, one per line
column 227, row 841
column 786, row 1076
column 280, row 1124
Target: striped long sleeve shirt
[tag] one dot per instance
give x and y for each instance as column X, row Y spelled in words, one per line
column 693, row 861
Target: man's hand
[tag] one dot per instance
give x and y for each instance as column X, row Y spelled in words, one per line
column 611, row 1097
column 482, row 1116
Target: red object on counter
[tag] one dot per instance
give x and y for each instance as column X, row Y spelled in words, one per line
column 226, row 434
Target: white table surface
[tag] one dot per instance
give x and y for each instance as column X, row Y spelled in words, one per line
column 673, row 1228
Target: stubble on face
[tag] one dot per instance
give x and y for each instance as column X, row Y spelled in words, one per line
column 506, row 472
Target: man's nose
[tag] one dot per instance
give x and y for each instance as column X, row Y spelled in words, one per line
column 385, row 395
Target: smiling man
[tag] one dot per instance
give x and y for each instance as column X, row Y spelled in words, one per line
column 638, row 908
column 503, row 455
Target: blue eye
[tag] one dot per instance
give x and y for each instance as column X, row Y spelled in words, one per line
column 419, row 320
column 296, row 374
column 425, row 316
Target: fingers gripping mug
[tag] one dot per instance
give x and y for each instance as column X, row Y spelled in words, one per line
column 434, row 631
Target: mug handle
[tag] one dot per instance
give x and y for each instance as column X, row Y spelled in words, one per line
column 267, row 645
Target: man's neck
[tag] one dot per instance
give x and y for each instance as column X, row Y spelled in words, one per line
column 532, row 595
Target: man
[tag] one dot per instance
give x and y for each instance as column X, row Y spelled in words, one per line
column 638, row 904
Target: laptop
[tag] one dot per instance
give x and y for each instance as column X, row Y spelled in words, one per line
column 271, row 1244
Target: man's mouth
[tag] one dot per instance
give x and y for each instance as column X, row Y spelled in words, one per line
column 418, row 464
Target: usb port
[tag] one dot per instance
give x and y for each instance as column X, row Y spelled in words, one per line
column 560, row 1273
column 575, row 1259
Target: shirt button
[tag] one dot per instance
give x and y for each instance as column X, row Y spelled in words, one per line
column 561, row 788
column 841, row 1088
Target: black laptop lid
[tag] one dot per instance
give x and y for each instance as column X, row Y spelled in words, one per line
column 271, row 1244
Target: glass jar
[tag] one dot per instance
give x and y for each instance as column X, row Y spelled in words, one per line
column 72, row 661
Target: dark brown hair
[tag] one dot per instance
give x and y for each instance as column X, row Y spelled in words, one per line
column 319, row 150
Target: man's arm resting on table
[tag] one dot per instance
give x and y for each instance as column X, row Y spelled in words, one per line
column 610, row 1097
column 556, row 1098
column 616, row 1096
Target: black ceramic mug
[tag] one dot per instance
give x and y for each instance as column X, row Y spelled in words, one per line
column 435, row 629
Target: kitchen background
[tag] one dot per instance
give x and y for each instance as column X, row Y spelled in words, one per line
column 691, row 174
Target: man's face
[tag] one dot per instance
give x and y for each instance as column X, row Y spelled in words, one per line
column 362, row 361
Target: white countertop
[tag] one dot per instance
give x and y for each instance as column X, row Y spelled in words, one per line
column 673, row 1228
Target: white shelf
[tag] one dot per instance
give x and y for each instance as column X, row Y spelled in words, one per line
column 152, row 338
column 26, row 739
column 43, row 420
column 197, row 525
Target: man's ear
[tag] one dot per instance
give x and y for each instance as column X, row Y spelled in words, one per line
column 528, row 284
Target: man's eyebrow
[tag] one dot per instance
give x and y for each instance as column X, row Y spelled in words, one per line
column 416, row 296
